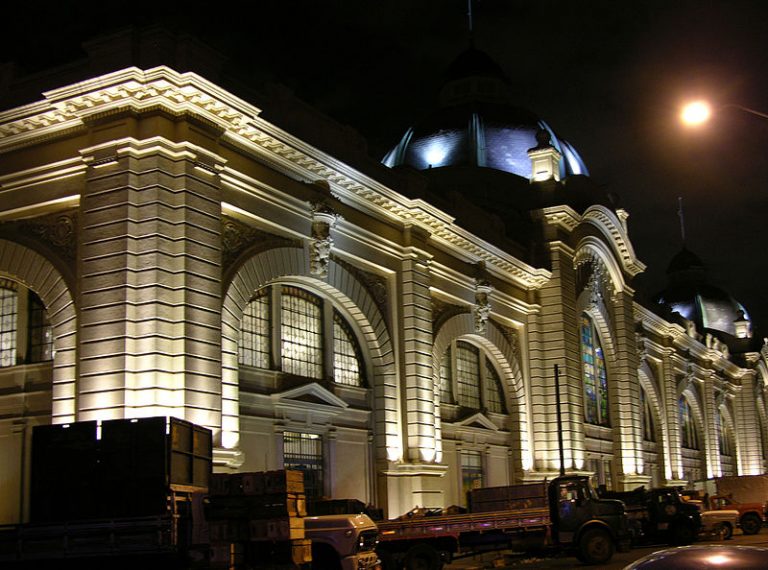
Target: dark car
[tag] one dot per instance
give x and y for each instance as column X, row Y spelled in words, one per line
column 704, row 557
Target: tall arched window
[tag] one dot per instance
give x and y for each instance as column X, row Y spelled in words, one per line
column 467, row 373
column 293, row 330
column 689, row 437
column 723, row 435
column 594, row 375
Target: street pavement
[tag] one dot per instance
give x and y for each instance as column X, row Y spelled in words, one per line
column 509, row 561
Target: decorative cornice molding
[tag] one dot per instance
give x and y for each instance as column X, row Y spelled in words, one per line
column 162, row 88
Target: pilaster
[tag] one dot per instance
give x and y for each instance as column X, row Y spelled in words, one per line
column 150, row 276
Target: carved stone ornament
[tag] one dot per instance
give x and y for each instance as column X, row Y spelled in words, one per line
column 687, row 379
column 594, row 286
column 482, row 307
column 236, row 237
column 642, row 348
column 321, row 244
column 57, row 230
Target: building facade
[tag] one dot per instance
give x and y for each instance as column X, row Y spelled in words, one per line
column 167, row 250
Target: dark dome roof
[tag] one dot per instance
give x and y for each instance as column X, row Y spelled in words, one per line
column 694, row 298
column 476, row 125
column 473, row 62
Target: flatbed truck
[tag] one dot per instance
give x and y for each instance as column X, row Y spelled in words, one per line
column 564, row 513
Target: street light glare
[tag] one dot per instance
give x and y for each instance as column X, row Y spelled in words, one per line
column 696, row 113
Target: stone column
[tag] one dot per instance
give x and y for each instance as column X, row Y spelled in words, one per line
column 748, row 444
column 150, row 275
column 674, row 466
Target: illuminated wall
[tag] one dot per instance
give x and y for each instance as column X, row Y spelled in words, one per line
column 146, row 207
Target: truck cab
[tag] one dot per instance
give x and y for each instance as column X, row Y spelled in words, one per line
column 343, row 541
column 582, row 519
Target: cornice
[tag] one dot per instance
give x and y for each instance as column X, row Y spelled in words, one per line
column 179, row 94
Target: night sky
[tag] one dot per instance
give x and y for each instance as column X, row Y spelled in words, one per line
column 607, row 76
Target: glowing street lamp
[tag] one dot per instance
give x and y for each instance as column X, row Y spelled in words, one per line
column 696, row 113
column 699, row 112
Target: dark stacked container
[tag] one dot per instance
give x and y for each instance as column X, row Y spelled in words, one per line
column 117, row 469
column 255, row 520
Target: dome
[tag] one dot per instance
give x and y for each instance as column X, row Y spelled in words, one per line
column 691, row 296
column 476, row 125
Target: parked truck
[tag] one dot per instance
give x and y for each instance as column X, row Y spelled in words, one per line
column 660, row 515
column 130, row 493
column 564, row 513
column 748, row 494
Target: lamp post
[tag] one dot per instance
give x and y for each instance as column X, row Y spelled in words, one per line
column 699, row 112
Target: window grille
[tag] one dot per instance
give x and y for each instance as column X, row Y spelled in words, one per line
column 8, row 318
column 346, row 354
column 689, row 437
column 304, row 451
column 301, row 329
column 494, row 394
column 254, row 349
column 40, row 331
column 471, row 472
column 468, row 375
column 446, row 378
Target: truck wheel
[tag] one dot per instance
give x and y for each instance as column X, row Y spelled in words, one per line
column 683, row 533
column 423, row 557
column 751, row 523
column 726, row 531
column 595, row 546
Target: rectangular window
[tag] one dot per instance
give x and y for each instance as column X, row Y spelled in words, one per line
column 301, row 329
column 255, row 333
column 8, row 318
column 304, row 451
column 471, row 472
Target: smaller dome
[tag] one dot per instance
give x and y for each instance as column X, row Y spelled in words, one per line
column 691, row 296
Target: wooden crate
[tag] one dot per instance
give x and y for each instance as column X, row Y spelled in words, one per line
column 285, row 528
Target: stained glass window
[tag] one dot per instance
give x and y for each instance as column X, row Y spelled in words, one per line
column 594, row 374
column 689, row 437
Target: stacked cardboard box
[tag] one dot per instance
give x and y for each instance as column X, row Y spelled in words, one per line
column 258, row 518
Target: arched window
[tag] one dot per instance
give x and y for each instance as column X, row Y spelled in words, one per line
column 40, row 340
column 296, row 336
column 594, row 375
column 469, row 374
column 689, row 437
column 646, row 418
